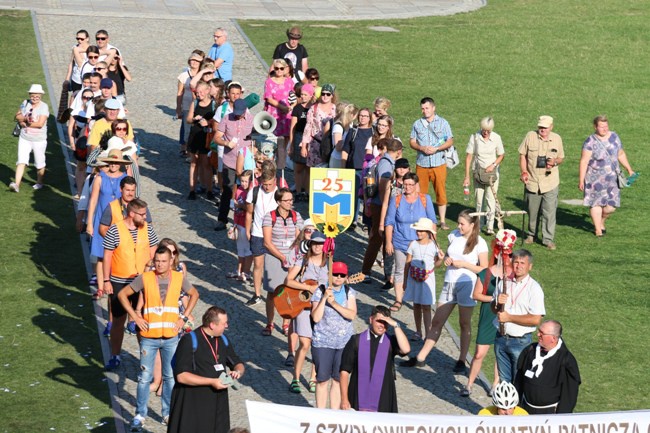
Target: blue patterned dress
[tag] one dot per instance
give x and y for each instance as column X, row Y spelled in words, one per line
column 601, row 184
column 109, row 191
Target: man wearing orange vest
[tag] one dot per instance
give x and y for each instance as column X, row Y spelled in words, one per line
column 129, row 245
column 114, row 212
column 160, row 321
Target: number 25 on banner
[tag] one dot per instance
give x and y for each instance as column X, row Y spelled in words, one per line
column 331, row 201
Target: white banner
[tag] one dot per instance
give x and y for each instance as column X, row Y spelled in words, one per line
column 277, row 418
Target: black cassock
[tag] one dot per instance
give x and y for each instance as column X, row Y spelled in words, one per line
column 200, row 409
column 349, row 363
column 558, row 382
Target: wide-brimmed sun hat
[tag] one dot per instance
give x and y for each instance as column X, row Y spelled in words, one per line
column 115, row 156
column 424, row 225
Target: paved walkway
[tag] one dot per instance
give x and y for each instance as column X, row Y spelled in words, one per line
column 155, row 58
column 250, row 9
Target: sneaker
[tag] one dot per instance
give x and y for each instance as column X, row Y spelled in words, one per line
column 37, row 186
column 165, row 420
column 113, row 363
column 245, row 278
column 551, row 246
column 14, row 187
column 138, row 423
column 210, row 196
column 220, row 226
column 465, row 392
column 234, row 275
column 107, row 329
column 529, row 240
column 254, row 300
column 412, row 362
column 387, row 285
column 131, row 328
column 460, row 367
column 191, row 195
column 290, row 361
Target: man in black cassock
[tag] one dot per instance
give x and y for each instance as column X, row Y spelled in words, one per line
column 200, row 398
column 367, row 366
column 547, row 374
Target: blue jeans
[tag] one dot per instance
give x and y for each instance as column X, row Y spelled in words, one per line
column 506, row 351
column 149, row 347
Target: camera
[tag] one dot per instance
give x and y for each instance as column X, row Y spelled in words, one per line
column 541, row 162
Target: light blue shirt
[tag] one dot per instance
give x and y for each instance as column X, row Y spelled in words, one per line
column 403, row 216
column 225, row 53
column 433, row 134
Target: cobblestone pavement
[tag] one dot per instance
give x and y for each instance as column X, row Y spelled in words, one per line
column 250, row 9
column 156, row 55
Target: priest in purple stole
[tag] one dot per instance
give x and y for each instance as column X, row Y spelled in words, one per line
column 367, row 365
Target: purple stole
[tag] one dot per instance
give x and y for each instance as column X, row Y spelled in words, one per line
column 371, row 379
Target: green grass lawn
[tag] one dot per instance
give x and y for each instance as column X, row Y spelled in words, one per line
column 51, row 368
column 516, row 60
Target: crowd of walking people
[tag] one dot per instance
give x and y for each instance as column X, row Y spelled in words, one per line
column 148, row 289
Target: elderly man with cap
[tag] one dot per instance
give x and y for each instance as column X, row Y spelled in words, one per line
column 232, row 134
column 222, row 54
column 367, row 365
column 539, row 156
column 548, row 377
column 292, row 50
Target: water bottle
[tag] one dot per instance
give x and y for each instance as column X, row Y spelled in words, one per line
column 466, row 193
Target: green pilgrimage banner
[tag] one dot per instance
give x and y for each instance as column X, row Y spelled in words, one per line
column 276, row 418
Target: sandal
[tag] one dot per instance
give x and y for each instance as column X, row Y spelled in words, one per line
column 295, row 386
column 268, row 330
column 285, row 329
column 397, row 305
column 312, row 386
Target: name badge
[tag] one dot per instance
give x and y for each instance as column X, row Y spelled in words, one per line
column 529, row 374
column 218, row 367
column 286, row 243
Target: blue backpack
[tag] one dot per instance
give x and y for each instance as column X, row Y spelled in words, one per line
column 195, row 345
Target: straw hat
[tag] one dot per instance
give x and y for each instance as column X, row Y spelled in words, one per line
column 115, row 156
column 424, row 225
column 97, row 162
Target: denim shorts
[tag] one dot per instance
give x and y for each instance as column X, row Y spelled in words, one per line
column 327, row 362
column 257, row 246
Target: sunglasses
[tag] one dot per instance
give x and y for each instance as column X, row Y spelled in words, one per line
column 93, row 57
column 101, row 69
column 121, row 128
column 308, row 230
column 100, row 38
column 174, row 252
column 87, row 98
column 81, row 39
column 279, row 68
column 340, row 275
column 326, row 94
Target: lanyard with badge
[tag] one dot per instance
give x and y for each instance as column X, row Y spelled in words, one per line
column 217, row 366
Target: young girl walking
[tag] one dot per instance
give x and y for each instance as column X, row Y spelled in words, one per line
column 422, row 258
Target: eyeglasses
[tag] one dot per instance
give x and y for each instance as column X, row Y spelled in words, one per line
column 287, row 200
column 408, row 184
column 121, row 128
column 383, row 125
column 143, row 214
column 93, row 57
column 326, row 94
column 308, row 230
column 101, row 38
column 363, row 115
column 279, row 68
column 340, row 275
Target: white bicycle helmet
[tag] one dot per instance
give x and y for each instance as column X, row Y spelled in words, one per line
column 505, row 396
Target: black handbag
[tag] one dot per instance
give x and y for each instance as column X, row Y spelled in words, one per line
column 16, row 131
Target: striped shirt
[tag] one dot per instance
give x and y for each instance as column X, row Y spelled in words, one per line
column 284, row 231
column 112, row 241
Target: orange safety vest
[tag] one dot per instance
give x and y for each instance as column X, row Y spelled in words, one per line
column 129, row 258
column 161, row 317
column 116, row 211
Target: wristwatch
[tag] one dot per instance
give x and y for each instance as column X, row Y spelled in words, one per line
column 185, row 318
column 396, row 326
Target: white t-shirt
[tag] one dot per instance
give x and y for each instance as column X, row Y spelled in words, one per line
column 265, row 204
column 35, row 134
column 185, row 78
column 525, row 297
column 337, row 129
column 455, row 250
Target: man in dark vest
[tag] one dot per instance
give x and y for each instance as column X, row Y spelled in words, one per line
column 547, row 374
column 367, row 365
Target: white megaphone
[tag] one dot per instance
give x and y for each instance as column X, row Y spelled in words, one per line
column 264, row 123
column 265, row 141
